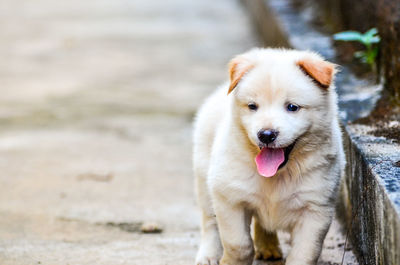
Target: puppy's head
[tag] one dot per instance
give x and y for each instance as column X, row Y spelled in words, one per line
column 280, row 96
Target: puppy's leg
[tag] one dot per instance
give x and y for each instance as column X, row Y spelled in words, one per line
column 210, row 250
column 234, row 226
column 266, row 243
column 307, row 238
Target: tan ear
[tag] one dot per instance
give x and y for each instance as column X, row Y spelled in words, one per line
column 238, row 67
column 320, row 71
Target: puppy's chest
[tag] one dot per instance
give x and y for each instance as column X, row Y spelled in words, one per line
column 279, row 210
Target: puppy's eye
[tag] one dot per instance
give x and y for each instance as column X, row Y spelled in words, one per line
column 292, row 107
column 252, row 106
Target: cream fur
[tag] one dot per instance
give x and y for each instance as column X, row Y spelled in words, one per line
column 300, row 198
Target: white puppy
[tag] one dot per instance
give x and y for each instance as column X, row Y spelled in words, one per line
column 268, row 145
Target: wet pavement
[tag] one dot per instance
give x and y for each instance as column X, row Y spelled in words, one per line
column 95, row 126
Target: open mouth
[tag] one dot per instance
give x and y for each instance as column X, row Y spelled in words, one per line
column 270, row 160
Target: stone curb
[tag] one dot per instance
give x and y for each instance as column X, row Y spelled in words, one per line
column 369, row 203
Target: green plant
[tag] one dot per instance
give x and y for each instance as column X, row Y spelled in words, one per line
column 369, row 39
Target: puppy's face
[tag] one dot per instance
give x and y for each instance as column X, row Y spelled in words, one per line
column 278, row 98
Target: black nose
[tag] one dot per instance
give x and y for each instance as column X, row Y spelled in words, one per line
column 267, row 136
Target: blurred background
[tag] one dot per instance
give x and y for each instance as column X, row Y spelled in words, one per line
column 96, row 108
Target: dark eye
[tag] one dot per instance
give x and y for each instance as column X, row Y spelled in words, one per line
column 292, row 107
column 252, row 106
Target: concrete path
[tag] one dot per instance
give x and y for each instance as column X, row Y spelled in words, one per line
column 97, row 99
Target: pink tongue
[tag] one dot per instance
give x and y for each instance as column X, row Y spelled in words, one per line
column 269, row 160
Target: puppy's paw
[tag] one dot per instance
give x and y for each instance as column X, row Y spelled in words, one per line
column 208, row 255
column 207, row 260
column 268, row 252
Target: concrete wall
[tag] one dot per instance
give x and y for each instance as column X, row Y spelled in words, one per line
column 369, row 214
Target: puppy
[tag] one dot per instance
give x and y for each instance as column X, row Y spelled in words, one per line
column 267, row 145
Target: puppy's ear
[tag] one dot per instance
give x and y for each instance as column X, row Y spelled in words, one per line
column 320, row 71
column 238, row 67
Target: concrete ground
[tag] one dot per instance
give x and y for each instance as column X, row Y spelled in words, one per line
column 97, row 100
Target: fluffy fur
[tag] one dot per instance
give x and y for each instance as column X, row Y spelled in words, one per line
column 300, row 197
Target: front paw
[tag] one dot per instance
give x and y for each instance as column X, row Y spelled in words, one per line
column 204, row 260
column 208, row 255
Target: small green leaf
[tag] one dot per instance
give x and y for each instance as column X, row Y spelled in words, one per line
column 371, row 32
column 348, row 36
column 370, row 37
column 375, row 39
